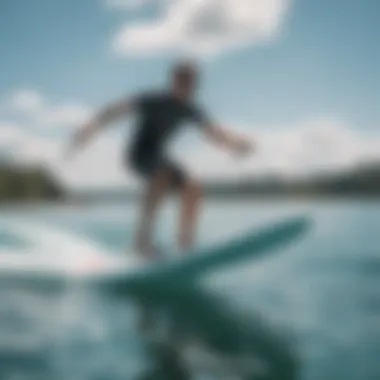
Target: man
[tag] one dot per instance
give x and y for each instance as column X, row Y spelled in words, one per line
column 160, row 116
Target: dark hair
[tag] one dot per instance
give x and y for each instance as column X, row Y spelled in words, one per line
column 185, row 70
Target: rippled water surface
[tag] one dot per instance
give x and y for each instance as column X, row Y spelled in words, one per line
column 325, row 289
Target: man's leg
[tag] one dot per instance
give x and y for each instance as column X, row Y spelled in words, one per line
column 157, row 188
column 191, row 195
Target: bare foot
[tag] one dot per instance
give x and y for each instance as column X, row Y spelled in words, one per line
column 149, row 251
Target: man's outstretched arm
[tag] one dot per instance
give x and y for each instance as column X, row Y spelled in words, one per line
column 103, row 118
column 228, row 139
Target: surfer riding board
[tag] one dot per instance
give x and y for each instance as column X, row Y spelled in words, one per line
column 161, row 113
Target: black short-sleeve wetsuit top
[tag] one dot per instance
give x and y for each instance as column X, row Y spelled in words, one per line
column 160, row 114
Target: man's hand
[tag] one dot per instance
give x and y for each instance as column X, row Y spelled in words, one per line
column 79, row 139
column 244, row 147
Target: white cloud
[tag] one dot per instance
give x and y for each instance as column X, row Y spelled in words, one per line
column 127, row 4
column 30, row 107
column 26, row 101
column 202, row 27
column 65, row 115
column 309, row 148
column 10, row 134
column 19, row 145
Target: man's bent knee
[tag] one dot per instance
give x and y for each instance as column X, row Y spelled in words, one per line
column 192, row 189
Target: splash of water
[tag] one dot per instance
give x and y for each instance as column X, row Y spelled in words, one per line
column 53, row 249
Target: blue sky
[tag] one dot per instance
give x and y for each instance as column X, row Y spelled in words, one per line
column 318, row 60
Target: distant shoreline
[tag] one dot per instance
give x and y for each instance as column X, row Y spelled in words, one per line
column 236, row 197
column 78, row 204
column 362, row 182
column 27, row 187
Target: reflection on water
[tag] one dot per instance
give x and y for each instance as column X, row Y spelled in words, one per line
column 324, row 290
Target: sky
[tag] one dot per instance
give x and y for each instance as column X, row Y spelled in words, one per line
column 299, row 76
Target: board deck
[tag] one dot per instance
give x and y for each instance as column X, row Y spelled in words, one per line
column 254, row 244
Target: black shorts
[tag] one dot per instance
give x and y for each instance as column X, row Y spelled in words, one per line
column 147, row 165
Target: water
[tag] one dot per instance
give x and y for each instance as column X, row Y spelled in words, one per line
column 324, row 290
